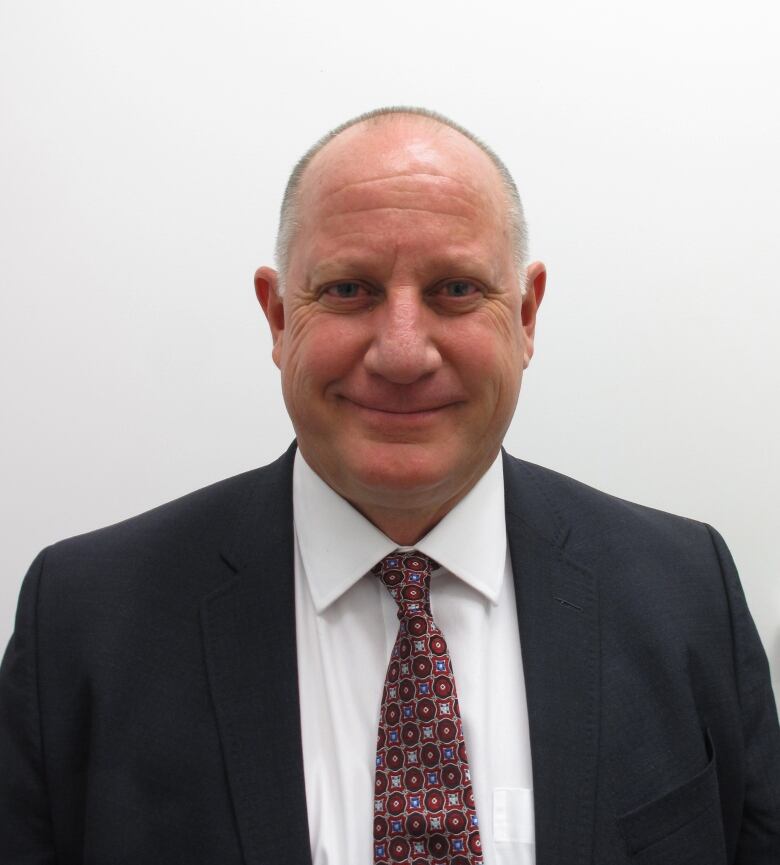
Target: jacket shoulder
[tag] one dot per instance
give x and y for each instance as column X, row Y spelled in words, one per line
column 184, row 526
column 590, row 523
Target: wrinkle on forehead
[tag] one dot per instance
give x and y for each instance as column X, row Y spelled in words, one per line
column 405, row 194
column 421, row 196
column 384, row 208
column 408, row 191
column 434, row 176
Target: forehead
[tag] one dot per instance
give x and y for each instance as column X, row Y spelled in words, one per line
column 403, row 177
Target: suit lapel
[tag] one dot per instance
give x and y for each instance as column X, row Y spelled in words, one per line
column 249, row 640
column 558, row 618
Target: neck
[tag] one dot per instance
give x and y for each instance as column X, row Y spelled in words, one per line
column 408, row 526
column 404, row 516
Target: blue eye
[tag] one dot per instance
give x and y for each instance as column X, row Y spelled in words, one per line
column 459, row 288
column 345, row 290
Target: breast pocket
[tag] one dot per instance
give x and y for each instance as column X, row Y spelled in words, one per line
column 682, row 827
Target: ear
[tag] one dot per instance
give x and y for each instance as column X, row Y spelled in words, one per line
column 535, row 282
column 266, row 289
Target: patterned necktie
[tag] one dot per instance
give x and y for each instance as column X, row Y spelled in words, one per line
column 424, row 810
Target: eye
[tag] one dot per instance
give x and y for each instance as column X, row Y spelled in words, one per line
column 348, row 295
column 457, row 295
column 459, row 288
column 345, row 290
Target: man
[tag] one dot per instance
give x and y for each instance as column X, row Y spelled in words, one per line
column 255, row 672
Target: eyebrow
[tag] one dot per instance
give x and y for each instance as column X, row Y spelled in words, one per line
column 364, row 266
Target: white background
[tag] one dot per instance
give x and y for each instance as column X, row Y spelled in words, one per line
column 143, row 154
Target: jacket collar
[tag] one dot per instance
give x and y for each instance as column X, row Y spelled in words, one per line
column 248, row 629
column 557, row 612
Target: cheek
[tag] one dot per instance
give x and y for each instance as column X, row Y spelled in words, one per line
column 318, row 352
column 488, row 356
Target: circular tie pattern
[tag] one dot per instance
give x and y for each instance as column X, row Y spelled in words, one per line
column 424, row 811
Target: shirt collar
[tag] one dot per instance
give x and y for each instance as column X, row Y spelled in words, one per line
column 338, row 545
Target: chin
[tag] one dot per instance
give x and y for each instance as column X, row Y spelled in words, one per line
column 403, row 470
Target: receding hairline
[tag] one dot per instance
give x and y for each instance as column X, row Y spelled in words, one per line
column 288, row 221
column 376, row 121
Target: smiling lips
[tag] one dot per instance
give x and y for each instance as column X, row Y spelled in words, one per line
column 392, row 410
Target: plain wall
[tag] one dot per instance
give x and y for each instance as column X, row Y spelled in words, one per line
column 144, row 151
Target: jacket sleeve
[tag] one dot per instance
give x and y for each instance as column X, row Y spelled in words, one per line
column 25, row 823
column 759, row 838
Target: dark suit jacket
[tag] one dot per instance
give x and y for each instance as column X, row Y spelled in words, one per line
column 149, row 706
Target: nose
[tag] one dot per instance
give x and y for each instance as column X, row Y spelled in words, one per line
column 402, row 349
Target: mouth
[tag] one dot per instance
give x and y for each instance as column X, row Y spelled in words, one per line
column 398, row 413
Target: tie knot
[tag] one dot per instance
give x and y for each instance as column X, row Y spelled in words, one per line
column 407, row 576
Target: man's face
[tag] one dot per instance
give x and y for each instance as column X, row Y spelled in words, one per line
column 402, row 335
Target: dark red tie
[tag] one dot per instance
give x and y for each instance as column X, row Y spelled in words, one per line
column 424, row 810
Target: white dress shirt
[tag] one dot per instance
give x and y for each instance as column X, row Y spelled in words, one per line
column 346, row 627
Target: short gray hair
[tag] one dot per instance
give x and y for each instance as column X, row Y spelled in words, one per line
column 289, row 220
